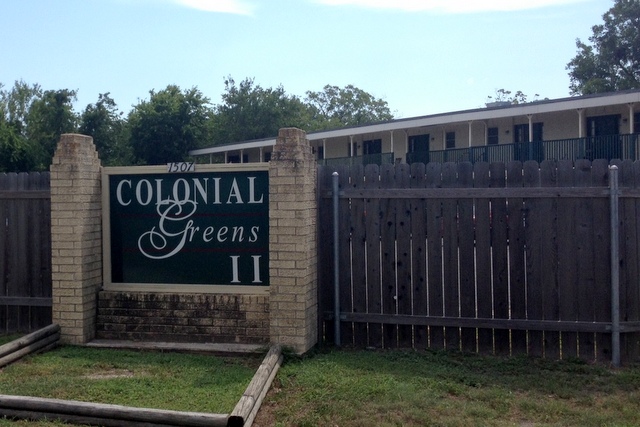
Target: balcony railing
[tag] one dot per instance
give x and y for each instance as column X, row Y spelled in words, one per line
column 623, row 147
column 377, row 159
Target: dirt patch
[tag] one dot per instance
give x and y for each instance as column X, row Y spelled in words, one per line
column 267, row 414
column 113, row 373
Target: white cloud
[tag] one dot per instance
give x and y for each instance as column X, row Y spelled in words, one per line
column 449, row 6
column 238, row 7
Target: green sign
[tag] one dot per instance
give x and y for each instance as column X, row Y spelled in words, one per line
column 200, row 228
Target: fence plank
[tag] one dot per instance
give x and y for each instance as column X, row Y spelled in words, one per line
column 499, row 251
column 567, row 249
column 16, row 279
column 325, row 251
column 466, row 237
column 43, row 315
column 602, row 258
column 549, row 258
column 483, row 258
column 403, row 255
column 358, row 253
column 374, row 292
column 450, row 256
column 419, row 256
column 25, row 236
column 585, row 260
column 533, row 232
column 517, row 281
column 4, row 249
column 344, row 254
column 35, row 258
column 388, row 255
column 434, row 254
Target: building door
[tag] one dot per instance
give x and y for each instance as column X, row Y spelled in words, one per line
column 418, row 149
column 372, row 151
column 526, row 147
column 603, row 139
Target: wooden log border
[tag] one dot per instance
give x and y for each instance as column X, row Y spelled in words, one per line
column 35, row 341
column 247, row 408
column 34, row 408
column 100, row 414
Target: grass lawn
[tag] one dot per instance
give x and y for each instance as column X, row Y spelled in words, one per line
column 343, row 388
column 174, row 381
column 407, row 388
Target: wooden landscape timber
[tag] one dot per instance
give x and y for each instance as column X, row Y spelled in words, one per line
column 108, row 415
column 247, row 408
column 36, row 341
column 35, row 408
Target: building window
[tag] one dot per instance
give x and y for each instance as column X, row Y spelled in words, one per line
column 521, row 132
column 418, row 149
column 419, row 143
column 267, row 156
column 492, row 136
column 320, row 153
column 450, row 140
column 373, row 146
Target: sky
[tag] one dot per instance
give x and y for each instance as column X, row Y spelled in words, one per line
column 421, row 56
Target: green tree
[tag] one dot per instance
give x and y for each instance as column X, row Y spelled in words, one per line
column 15, row 104
column 335, row 107
column 49, row 117
column 105, row 124
column 503, row 95
column 612, row 61
column 17, row 154
column 249, row 111
column 170, row 124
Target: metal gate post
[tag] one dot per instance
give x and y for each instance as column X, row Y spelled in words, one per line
column 336, row 263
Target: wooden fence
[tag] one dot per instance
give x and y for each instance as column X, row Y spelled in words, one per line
column 488, row 258
column 25, row 252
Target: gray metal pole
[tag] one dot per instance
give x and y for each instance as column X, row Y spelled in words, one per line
column 615, row 266
column 336, row 263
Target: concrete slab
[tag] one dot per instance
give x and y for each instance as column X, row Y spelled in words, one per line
column 217, row 348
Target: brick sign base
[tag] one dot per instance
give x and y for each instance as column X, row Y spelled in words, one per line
column 193, row 318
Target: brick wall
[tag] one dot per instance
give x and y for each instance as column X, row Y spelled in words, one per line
column 76, row 242
column 293, row 246
column 194, row 318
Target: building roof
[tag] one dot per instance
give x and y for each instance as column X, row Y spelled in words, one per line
column 478, row 114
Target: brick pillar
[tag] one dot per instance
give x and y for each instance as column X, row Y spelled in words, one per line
column 292, row 248
column 76, row 240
